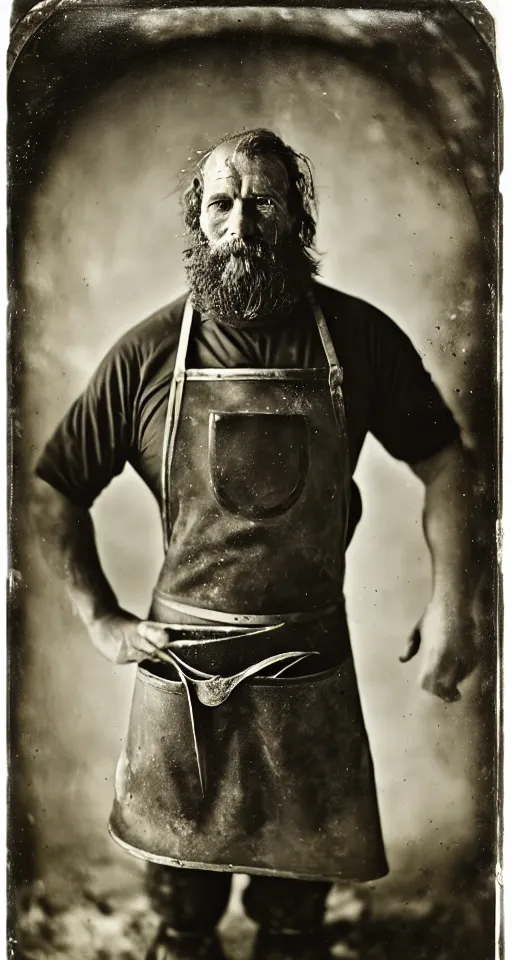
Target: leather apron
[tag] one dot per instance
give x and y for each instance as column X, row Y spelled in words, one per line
column 246, row 749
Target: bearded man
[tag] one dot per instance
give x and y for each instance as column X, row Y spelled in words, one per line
column 244, row 406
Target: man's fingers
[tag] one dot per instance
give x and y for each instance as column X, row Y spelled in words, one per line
column 447, row 692
column 150, row 639
column 157, row 636
column 463, row 669
column 413, row 645
column 442, row 678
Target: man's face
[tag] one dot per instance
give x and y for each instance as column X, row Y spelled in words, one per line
column 246, row 262
column 244, row 199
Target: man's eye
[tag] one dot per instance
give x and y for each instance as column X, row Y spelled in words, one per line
column 265, row 202
column 220, row 204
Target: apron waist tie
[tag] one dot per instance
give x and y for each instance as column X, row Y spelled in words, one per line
column 239, row 619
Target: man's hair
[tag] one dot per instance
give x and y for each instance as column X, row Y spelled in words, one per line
column 264, row 143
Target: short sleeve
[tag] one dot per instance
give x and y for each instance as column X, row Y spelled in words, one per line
column 409, row 416
column 92, row 443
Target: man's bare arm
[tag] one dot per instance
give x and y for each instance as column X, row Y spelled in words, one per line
column 69, row 546
column 451, row 518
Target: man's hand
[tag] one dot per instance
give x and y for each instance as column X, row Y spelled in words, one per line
column 449, row 646
column 123, row 638
column 451, row 631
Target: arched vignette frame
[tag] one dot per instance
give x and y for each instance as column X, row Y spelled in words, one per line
column 47, row 79
column 50, row 74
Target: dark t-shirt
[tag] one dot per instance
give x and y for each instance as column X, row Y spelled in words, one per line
column 120, row 416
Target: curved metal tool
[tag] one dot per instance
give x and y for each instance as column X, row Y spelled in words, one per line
column 212, row 690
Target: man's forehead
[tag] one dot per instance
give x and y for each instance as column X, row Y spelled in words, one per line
column 229, row 162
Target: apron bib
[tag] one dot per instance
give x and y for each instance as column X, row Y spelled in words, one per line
column 247, row 749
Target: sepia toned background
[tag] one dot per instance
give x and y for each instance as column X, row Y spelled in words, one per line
column 396, row 112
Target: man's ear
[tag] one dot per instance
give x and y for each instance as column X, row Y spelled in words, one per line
column 192, row 202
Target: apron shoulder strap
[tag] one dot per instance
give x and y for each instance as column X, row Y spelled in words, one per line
column 173, row 412
column 186, row 325
column 335, row 371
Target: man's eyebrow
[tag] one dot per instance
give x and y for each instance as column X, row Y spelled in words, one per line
column 218, row 196
column 264, row 191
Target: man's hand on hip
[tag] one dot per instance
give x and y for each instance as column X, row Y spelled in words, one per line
column 123, row 638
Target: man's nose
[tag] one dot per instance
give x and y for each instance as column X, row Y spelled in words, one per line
column 240, row 222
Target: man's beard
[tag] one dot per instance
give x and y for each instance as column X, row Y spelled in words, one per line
column 247, row 282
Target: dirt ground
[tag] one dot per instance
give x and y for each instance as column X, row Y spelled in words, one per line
column 363, row 926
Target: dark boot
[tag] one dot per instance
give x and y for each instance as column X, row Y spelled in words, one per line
column 189, row 901
column 190, row 904
column 171, row 945
column 291, row 946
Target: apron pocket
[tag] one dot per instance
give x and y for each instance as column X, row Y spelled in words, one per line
column 258, row 462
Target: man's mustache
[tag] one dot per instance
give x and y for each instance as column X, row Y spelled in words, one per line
column 248, row 249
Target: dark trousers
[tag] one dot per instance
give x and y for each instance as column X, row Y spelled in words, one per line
column 193, row 901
